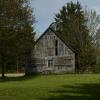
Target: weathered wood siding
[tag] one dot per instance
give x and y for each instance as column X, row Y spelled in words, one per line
column 62, row 59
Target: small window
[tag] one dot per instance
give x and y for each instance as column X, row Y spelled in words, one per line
column 59, row 67
column 50, row 63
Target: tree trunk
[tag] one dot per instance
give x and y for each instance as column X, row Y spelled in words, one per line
column 17, row 64
column 77, row 63
column 3, row 65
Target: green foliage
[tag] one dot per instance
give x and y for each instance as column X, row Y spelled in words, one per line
column 71, row 23
column 93, row 23
column 97, row 40
column 51, row 87
column 16, row 31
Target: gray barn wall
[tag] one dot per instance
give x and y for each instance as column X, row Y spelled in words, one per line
column 44, row 50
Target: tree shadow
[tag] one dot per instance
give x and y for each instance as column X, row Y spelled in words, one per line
column 79, row 92
column 18, row 78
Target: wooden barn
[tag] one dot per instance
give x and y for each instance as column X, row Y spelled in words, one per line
column 52, row 54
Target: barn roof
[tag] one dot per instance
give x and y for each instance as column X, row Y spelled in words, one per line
column 58, row 35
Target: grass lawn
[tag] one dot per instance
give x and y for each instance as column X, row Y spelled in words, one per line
column 51, row 87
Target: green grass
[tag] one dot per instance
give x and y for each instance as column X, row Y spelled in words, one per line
column 51, row 87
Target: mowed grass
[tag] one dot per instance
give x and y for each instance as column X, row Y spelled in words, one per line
column 51, row 87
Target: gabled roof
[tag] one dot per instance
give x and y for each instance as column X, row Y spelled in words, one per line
column 41, row 35
column 57, row 34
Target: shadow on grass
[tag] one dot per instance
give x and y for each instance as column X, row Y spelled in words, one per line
column 80, row 92
column 18, row 78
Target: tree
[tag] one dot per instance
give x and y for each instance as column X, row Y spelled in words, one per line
column 16, row 31
column 93, row 23
column 71, row 23
column 97, row 40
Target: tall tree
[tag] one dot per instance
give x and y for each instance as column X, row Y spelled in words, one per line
column 16, row 31
column 97, row 40
column 71, row 23
column 93, row 23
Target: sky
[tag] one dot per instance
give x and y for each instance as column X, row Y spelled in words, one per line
column 45, row 10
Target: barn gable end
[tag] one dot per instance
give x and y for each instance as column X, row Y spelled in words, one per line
column 52, row 54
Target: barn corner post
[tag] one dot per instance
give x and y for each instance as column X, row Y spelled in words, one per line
column 28, row 65
column 74, row 63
